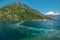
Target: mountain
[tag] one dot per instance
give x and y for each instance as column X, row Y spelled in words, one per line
column 17, row 11
column 55, row 17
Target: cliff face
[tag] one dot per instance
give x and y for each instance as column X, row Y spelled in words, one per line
column 17, row 11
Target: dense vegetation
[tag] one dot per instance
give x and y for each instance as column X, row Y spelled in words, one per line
column 17, row 11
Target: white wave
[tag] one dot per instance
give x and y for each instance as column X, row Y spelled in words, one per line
column 49, row 32
column 19, row 23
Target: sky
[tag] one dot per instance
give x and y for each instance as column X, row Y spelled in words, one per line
column 42, row 6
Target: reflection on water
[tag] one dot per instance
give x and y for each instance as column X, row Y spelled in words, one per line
column 30, row 30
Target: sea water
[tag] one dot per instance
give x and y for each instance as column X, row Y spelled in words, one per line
column 30, row 30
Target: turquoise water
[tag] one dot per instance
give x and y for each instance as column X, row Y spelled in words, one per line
column 30, row 30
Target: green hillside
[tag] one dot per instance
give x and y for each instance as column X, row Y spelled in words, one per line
column 17, row 11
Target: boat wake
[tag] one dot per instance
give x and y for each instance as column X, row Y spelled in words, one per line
column 50, row 32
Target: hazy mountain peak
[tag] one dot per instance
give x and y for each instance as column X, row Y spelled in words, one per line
column 52, row 13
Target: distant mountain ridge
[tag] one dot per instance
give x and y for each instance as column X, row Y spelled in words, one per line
column 54, row 17
column 17, row 11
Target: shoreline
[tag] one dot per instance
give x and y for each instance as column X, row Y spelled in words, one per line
column 28, row 20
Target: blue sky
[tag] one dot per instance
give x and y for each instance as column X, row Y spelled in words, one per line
column 42, row 6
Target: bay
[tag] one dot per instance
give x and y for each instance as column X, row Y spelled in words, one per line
column 30, row 30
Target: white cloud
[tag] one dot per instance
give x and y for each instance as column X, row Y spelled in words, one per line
column 52, row 13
